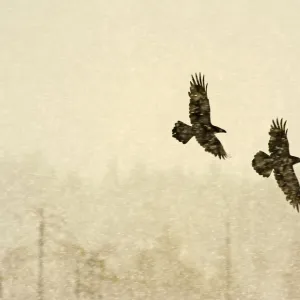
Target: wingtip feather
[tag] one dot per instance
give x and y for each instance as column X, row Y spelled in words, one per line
column 198, row 79
column 279, row 124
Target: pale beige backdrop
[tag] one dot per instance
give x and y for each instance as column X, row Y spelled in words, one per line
column 91, row 83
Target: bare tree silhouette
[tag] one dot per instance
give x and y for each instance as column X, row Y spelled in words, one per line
column 228, row 277
column 41, row 243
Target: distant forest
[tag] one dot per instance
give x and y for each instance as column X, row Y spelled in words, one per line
column 145, row 235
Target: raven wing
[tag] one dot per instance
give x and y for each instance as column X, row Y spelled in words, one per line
column 199, row 103
column 289, row 184
column 210, row 143
column 278, row 143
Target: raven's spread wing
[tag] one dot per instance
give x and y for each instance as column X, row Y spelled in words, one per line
column 199, row 103
column 210, row 143
column 278, row 143
column 289, row 184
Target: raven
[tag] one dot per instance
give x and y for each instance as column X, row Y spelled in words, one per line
column 281, row 162
column 199, row 113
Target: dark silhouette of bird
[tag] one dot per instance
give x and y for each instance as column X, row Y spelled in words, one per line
column 281, row 162
column 201, row 129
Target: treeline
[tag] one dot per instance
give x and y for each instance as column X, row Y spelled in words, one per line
column 149, row 234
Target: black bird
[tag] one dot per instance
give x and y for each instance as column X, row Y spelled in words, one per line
column 202, row 129
column 281, row 162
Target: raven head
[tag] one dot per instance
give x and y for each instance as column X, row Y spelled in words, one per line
column 295, row 160
column 219, row 130
column 222, row 130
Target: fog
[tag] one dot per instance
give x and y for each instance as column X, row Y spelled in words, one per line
column 89, row 93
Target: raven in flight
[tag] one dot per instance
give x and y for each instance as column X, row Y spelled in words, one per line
column 202, row 129
column 281, row 162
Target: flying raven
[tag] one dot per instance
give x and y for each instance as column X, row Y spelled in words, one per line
column 199, row 112
column 281, row 162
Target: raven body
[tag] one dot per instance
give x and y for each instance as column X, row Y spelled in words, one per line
column 199, row 113
column 281, row 162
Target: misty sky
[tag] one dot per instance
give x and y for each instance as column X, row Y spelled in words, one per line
column 83, row 82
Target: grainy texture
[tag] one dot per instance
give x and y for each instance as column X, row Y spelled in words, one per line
column 86, row 83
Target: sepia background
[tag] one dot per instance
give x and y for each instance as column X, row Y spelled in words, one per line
column 98, row 201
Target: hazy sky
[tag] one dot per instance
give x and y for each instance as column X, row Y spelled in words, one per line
column 84, row 81
column 87, row 81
